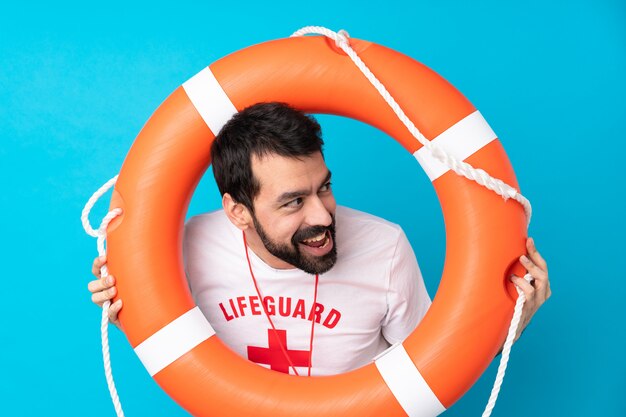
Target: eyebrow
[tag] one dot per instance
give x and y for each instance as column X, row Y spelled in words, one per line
column 290, row 195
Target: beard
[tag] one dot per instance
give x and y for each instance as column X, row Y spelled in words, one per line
column 291, row 253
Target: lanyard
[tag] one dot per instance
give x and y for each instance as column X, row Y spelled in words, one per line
column 282, row 348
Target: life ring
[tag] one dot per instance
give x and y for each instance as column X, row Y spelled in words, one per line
column 469, row 317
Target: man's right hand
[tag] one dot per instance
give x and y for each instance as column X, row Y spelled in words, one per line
column 103, row 289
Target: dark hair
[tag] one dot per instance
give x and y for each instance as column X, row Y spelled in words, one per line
column 259, row 130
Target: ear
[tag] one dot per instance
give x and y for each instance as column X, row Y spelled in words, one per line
column 237, row 213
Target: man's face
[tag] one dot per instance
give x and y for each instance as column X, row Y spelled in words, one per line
column 294, row 212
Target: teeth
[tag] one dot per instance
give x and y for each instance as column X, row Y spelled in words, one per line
column 316, row 238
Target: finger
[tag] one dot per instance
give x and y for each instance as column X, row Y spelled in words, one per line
column 101, row 284
column 534, row 254
column 524, row 285
column 536, row 272
column 541, row 282
column 543, row 293
column 97, row 264
column 542, row 288
column 96, row 286
column 99, row 298
column 114, row 310
column 102, row 296
column 548, row 291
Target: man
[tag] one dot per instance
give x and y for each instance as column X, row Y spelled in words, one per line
column 288, row 279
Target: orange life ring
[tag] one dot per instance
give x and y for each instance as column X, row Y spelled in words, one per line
column 469, row 317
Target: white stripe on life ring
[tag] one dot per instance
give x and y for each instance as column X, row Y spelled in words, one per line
column 210, row 99
column 407, row 384
column 174, row 340
column 461, row 140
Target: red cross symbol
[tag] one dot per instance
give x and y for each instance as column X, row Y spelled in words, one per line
column 274, row 355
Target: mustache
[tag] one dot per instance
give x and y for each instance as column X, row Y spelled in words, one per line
column 312, row 231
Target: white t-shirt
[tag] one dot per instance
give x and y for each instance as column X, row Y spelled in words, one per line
column 372, row 297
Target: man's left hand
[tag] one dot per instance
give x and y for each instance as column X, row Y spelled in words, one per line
column 538, row 290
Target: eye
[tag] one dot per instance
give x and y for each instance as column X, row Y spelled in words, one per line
column 296, row 202
column 325, row 187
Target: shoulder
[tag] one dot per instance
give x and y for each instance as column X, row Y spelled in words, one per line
column 358, row 222
column 367, row 238
column 209, row 239
column 208, row 226
column 212, row 218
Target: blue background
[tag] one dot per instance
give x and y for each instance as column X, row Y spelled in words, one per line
column 78, row 81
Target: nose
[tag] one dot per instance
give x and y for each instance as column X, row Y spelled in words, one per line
column 317, row 214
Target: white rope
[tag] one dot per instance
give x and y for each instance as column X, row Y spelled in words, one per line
column 101, row 234
column 84, row 217
column 506, row 349
column 462, row 168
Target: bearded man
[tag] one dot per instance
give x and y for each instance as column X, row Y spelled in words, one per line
column 287, row 278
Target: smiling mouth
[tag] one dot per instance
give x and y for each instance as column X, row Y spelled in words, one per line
column 320, row 241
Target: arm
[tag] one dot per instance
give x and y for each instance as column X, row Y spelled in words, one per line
column 104, row 290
